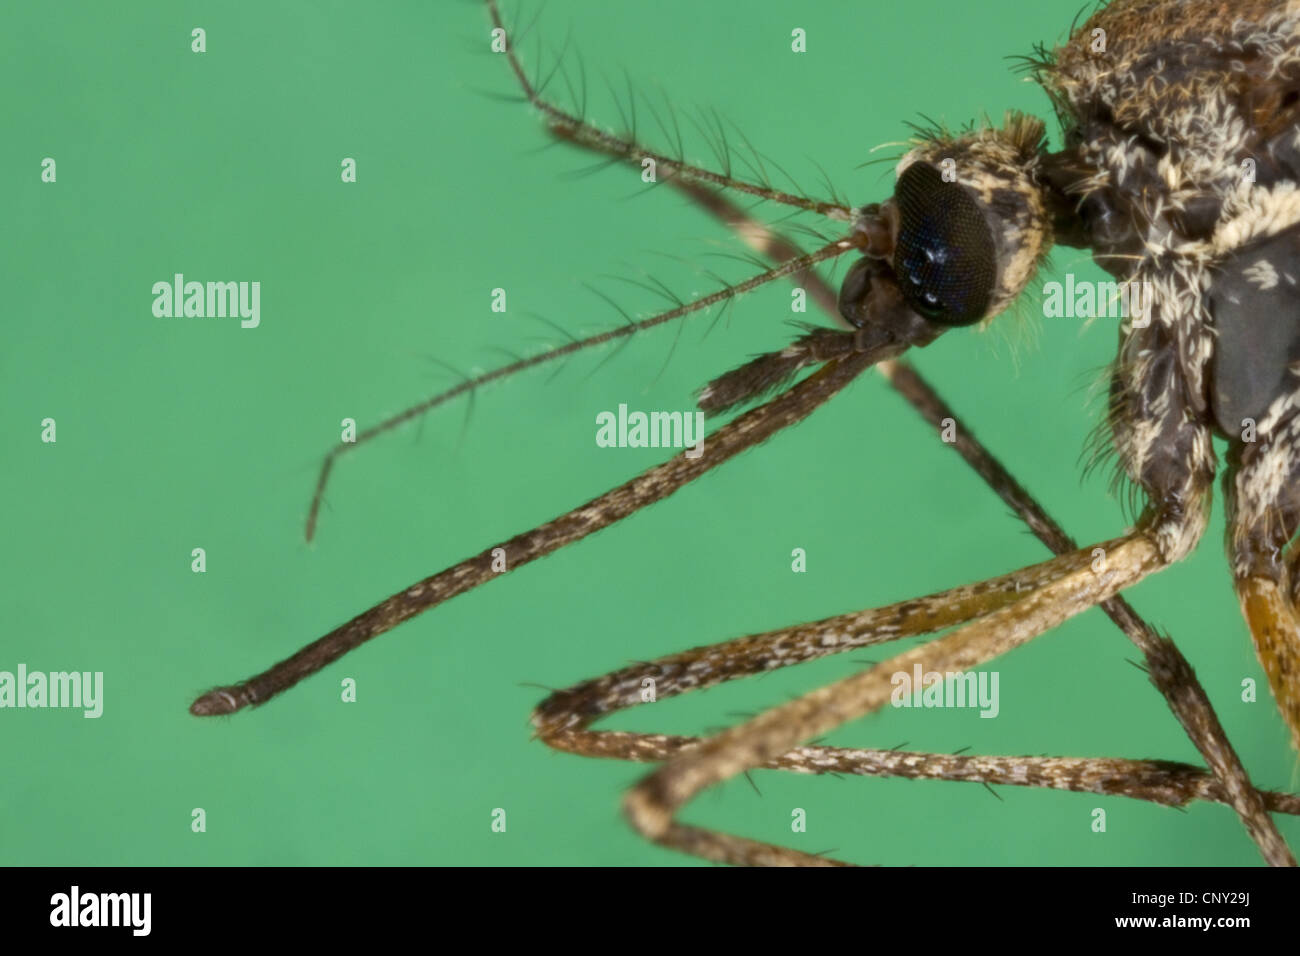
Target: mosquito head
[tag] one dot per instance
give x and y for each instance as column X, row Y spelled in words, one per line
column 960, row 238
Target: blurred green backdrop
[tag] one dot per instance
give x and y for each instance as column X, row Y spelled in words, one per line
column 182, row 433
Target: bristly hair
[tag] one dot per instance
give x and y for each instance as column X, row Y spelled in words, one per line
column 930, row 130
column 1034, row 64
column 1100, row 452
column 1019, row 325
column 1024, row 131
column 1040, row 64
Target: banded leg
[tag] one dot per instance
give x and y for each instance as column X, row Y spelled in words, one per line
column 652, row 805
column 564, row 719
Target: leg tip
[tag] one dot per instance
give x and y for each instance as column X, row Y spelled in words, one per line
column 216, row 702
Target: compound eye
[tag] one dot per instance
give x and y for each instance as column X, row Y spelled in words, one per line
column 944, row 258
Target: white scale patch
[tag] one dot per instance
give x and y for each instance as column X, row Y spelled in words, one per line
column 1262, row 275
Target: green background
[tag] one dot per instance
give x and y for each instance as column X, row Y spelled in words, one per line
column 183, row 433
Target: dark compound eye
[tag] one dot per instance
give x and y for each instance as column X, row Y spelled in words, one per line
column 944, row 258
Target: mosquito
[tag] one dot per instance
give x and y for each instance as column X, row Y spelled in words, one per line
column 1178, row 170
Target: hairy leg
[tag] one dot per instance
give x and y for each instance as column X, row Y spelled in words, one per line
column 653, row 804
column 564, row 719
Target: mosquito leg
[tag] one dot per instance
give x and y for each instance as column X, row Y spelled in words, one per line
column 653, row 804
column 1168, row 668
column 1275, row 629
column 1157, row 781
column 563, row 719
column 653, row 485
column 575, row 128
column 707, row 666
column 1263, row 500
